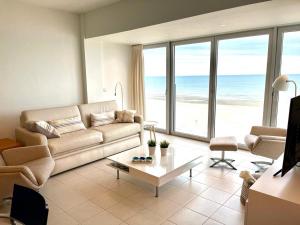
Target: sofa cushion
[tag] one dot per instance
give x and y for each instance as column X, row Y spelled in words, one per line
column 49, row 114
column 115, row 131
column 100, row 119
column 42, row 127
column 228, row 143
column 74, row 140
column 125, row 116
column 41, row 169
column 97, row 107
column 67, row 125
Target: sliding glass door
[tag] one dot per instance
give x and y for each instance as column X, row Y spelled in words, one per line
column 155, row 75
column 221, row 85
column 240, row 90
column 191, row 87
column 290, row 65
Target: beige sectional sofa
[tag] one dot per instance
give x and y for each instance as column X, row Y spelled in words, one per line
column 83, row 146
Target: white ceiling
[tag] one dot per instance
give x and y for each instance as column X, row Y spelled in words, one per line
column 75, row 6
column 260, row 15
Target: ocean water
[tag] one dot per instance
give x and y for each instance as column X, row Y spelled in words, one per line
column 229, row 87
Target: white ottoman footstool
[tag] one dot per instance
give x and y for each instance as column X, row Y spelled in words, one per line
column 223, row 144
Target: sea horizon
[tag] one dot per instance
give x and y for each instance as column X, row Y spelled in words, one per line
column 231, row 89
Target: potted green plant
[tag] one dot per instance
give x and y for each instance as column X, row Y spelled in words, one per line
column 151, row 146
column 164, row 145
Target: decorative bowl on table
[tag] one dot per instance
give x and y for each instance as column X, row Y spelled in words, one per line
column 142, row 159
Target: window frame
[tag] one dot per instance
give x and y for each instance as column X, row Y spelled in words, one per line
column 277, row 68
column 269, row 74
column 167, row 46
column 173, row 94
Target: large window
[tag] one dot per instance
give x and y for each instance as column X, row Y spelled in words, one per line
column 155, row 72
column 221, row 85
column 290, row 65
column 241, row 76
column 192, row 69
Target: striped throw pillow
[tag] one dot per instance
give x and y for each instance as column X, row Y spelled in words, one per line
column 68, row 125
column 42, row 127
column 99, row 119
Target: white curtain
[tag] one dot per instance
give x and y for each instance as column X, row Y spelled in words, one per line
column 138, row 79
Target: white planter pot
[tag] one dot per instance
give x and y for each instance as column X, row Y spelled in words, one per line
column 163, row 151
column 151, row 150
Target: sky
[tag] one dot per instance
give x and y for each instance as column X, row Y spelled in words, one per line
column 247, row 55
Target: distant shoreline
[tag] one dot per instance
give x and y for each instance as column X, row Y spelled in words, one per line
column 201, row 100
column 243, row 90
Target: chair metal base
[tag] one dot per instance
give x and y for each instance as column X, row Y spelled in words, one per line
column 260, row 163
column 223, row 160
column 220, row 160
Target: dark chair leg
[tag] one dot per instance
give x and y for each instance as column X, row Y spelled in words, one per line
column 216, row 163
column 224, row 160
column 260, row 163
column 229, row 164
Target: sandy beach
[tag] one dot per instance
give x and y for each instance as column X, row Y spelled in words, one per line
column 232, row 118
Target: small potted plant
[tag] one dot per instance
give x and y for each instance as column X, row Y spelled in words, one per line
column 164, row 147
column 151, row 146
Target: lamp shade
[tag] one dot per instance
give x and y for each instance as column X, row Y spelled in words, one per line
column 281, row 83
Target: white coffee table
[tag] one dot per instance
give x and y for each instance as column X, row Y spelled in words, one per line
column 163, row 169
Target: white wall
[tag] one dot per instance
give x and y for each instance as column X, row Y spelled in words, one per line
column 132, row 14
column 39, row 61
column 93, row 73
column 106, row 64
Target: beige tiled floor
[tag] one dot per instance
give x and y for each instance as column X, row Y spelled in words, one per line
column 91, row 195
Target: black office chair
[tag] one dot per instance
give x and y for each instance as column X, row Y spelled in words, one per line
column 28, row 207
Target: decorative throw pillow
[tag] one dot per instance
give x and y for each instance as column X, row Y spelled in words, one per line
column 30, row 125
column 68, row 125
column 42, row 127
column 125, row 116
column 99, row 119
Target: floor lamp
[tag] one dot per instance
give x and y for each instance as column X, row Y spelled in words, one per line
column 119, row 84
column 282, row 84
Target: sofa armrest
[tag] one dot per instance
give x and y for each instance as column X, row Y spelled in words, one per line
column 269, row 131
column 10, row 175
column 18, row 171
column 250, row 141
column 138, row 119
column 18, row 156
column 271, row 138
column 29, row 138
column 266, row 139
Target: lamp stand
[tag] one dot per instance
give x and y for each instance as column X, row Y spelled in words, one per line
column 295, row 85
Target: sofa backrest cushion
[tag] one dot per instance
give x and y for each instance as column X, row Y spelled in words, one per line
column 49, row 114
column 98, row 107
